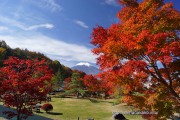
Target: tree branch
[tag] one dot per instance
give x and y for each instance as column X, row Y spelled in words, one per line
column 168, row 75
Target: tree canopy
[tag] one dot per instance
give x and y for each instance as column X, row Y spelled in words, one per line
column 23, row 84
column 141, row 51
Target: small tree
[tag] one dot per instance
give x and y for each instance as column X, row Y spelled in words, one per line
column 47, row 107
column 23, row 84
column 92, row 84
column 106, row 85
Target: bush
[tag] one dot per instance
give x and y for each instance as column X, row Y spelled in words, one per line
column 47, row 107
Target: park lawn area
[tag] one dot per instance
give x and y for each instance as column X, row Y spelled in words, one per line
column 72, row 108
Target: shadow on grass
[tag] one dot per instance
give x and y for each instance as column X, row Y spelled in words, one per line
column 93, row 100
column 54, row 113
column 100, row 101
column 33, row 117
column 110, row 102
column 40, row 112
column 66, row 96
column 107, row 102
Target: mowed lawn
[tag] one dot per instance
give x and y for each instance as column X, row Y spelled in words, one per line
column 72, row 108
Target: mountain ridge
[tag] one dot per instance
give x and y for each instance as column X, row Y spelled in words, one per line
column 87, row 68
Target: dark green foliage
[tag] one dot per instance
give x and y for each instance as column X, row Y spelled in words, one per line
column 61, row 73
column 57, row 81
column 3, row 44
column 22, row 54
column 76, row 85
column 56, row 66
column 66, row 71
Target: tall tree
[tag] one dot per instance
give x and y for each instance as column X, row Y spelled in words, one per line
column 141, row 51
column 56, row 66
column 57, row 81
column 23, row 84
column 76, row 85
column 3, row 44
column 2, row 55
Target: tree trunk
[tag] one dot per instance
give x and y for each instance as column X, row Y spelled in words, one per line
column 18, row 113
column 77, row 94
column 18, row 116
column 174, row 94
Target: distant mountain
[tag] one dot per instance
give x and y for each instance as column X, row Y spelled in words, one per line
column 87, row 68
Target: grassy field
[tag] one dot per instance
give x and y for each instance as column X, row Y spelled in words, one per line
column 72, row 108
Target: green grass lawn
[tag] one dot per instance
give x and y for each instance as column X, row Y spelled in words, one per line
column 72, row 108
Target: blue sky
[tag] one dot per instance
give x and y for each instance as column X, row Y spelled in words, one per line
column 60, row 29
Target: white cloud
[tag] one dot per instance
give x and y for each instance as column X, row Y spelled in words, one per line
column 34, row 27
column 10, row 21
column 111, row 2
column 3, row 28
column 81, row 23
column 22, row 26
column 53, row 48
column 49, row 4
column 53, row 5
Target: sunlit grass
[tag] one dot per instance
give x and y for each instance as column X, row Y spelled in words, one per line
column 72, row 108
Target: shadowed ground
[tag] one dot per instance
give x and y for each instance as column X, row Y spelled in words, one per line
column 33, row 117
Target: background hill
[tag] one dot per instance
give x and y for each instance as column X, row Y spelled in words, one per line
column 56, row 66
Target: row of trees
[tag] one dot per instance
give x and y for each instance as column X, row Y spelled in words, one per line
column 83, row 85
column 25, row 82
column 27, row 77
column 141, row 54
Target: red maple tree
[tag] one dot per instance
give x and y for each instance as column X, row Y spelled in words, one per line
column 91, row 83
column 142, row 51
column 106, row 83
column 23, row 84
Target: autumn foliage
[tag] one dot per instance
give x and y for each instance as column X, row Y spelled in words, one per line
column 91, row 83
column 23, row 83
column 88, row 85
column 142, row 52
column 47, row 107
